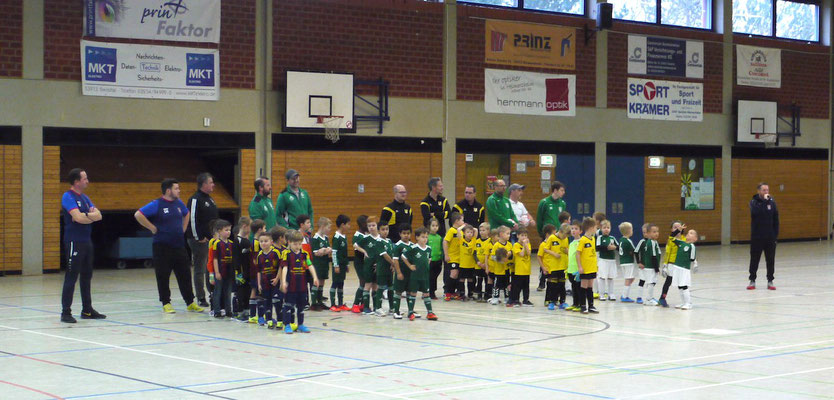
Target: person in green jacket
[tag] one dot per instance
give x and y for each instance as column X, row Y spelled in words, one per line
column 292, row 202
column 499, row 211
column 261, row 206
column 551, row 206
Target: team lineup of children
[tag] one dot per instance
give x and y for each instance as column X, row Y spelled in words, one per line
column 274, row 270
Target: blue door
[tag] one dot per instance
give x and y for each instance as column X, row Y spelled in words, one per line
column 577, row 173
column 625, row 187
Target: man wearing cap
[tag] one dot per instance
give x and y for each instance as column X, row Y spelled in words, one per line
column 292, row 202
column 499, row 210
column 435, row 205
column 261, row 205
column 521, row 215
column 396, row 212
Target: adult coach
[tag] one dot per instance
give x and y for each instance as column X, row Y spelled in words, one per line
column 202, row 210
column 473, row 212
column 261, row 205
column 764, row 231
column 79, row 213
column 396, row 212
column 292, row 202
column 167, row 218
column 498, row 208
column 434, row 205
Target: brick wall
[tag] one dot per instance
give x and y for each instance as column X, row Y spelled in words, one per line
column 398, row 40
column 805, row 79
column 63, row 28
column 470, row 84
column 11, row 38
column 618, row 63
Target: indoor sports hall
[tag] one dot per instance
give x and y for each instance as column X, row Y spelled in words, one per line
column 164, row 161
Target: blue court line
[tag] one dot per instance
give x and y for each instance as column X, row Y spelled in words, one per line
column 104, row 348
column 733, row 360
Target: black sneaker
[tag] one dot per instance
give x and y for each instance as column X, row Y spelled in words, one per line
column 68, row 318
column 93, row 314
column 583, row 310
column 202, row 303
column 593, row 310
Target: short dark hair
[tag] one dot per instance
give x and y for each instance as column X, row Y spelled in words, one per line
column 260, row 182
column 421, row 231
column 474, row 189
column 219, row 224
column 362, row 223
column 243, row 221
column 342, row 219
column 588, row 223
column 455, row 217
column 433, row 182
column 556, row 185
column 293, row 236
column 277, row 232
column 759, row 186
column 168, row 183
column 547, row 231
column 563, row 217
column 257, row 225
column 599, row 216
column 404, row 227
column 203, row 178
column 301, row 219
column 74, row 175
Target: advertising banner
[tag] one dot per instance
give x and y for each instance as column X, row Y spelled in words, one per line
column 663, row 56
column 665, row 100
column 529, row 93
column 176, row 20
column 530, row 45
column 758, row 66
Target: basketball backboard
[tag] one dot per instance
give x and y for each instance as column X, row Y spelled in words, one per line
column 317, row 94
column 756, row 122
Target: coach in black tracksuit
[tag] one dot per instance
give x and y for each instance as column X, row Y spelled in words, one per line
column 202, row 210
column 764, row 231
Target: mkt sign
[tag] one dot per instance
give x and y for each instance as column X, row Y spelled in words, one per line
column 665, row 100
column 174, row 20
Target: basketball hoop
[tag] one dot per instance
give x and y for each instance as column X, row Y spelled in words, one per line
column 769, row 139
column 331, row 123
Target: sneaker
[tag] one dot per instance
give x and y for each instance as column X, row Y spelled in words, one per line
column 279, row 325
column 583, row 310
column 751, row 285
column 551, row 306
column 679, row 306
column 687, row 306
column 411, row 317
column 398, row 315
column 431, row 316
column 294, row 326
column 335, row 309
column 356, row 309
column 626, row 300
column 652, row 302
column 612, row 298
column 596, row 295
column 219, row 315
column 769, row 287
column 367, row 312
column 253, row 320
column 306, row 307
column 510, row 305
column 482, row 300
column 68, row 318
column 540, row 289
column 527, row 304
column 271, row 324
column 261, row 321
column 193, row 307
column 417, row 315
column 380, row 313
column 663, row 303
column 288, row 330
column 222, row 313
column 563, row 306
column 574, row 309
column 167, row 308
column 303, row 329
column 203, row 303
column 344, row 308
column 593, row 310
column 448, row 297
column 493, row 301
column 516, row 304
column 314, row 307
column 639, row 300
column 603, row 297
column 93, row 314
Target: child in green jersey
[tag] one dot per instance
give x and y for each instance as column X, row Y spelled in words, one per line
column 417, row 259
column 322, row 253
column 340, row 264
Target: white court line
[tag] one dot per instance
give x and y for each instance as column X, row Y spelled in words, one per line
column 252, row 371
column 639, row 396
column 628, row 367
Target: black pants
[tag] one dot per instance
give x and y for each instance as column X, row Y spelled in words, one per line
column 79, row 263
column 436, row 267
column 575, row 289
column 521, row 284
column 449, row 285
column 165, row 260
column 756, row 248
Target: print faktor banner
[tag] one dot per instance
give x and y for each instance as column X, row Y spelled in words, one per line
column 176, row 20
column 648, row 55
column 665, row 100
column 530, row 45
column 529, row 93
column 154, row 72
column 758, row 66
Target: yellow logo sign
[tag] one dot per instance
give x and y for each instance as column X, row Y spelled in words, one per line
column 532, row 45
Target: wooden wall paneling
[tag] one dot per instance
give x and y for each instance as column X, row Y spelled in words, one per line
column 247, row 179
column 52, row 192
column 4, row 266
column 533, row 191
column 12, row 204
column 130, row 196
column 460, row 175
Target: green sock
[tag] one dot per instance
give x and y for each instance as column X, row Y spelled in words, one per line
column 333, row 297
column 395, row 305
column 377, row 299
column 341, row 294
column 390, row 299
column 427, row 302
column 366, row 299
column 358, row 299
column 411, row 300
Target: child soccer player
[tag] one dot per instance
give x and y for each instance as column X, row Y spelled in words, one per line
column 627, row 260
column 402, row 274
column 451, row 250
column 294, row 268
column 547, row 262
column 559, row 244
column 242, row 260
column 521, row 276
column 598, row 218
column 384, row 272
column 256, row 228
column 500, row 269
column 305, row 226
column 359, row 260
column 670, row 257
column 683, row 266
column 586, row 261
column 607, row 253
column 224, row 280
column 565, row 218
column 468, row 261
column 370, row 246
column 417, row 259
column 269, row 259
column 436, row 265
column 483, row 245
column 340, row 264
column 322, row 253
column 573, row 268
column 648, row 260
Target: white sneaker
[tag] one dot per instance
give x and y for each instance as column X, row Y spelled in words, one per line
column 380, row 313
column 417, row 315
column 493, row 301
column 652, row 302
column 603, row 297
column 398, row 315
column 679, row 306
column 687, row 306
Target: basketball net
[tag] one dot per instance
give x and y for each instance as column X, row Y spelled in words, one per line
column 331, row 123
column 769, row 139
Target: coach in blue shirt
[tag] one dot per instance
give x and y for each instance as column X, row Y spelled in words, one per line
column 79, row 213
column 167, row 218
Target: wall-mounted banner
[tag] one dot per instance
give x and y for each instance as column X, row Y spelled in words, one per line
column 530, row 45
column 177, row 20
column 153, row 72
column 662, row 56
column 758, row 66
column 529, row 93
column 665, row 100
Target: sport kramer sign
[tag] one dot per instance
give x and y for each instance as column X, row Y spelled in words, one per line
column 665, row 100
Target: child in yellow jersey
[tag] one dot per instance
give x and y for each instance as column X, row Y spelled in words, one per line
column 547, row 260
column 499, row 268
column 669, row 259
column 521, row 276
column 556, row 260
column 483, row 245
column 586, row 259
column 468, row 262
column 451, row 250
